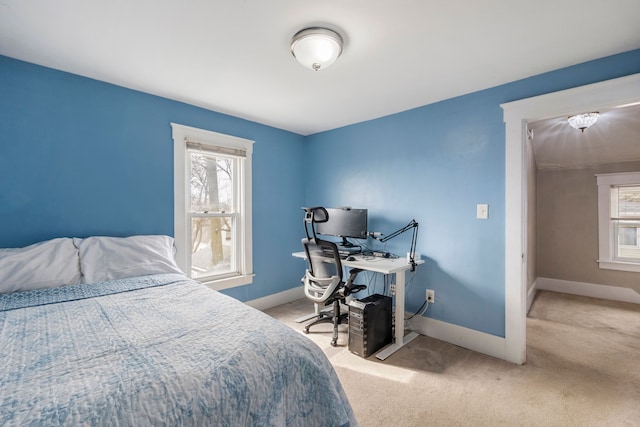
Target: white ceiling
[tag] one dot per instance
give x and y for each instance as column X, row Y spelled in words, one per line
column 614, row 138
column 232, row 56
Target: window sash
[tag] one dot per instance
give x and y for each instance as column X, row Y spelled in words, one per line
column 614, row 215
column 182, row 221
column 621, row 207
column 236, row 183
column 235, row 255
column 236, row 241
column 626, row 253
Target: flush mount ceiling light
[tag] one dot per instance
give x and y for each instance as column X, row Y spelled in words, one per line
column 316, row 48
column 583, row 121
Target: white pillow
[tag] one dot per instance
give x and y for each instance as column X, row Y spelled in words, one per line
column 42, row 265
column 107, row 258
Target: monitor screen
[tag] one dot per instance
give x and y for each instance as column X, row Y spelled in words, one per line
column 345, row 222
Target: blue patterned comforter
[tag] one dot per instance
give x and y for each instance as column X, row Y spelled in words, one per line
column 158, row 350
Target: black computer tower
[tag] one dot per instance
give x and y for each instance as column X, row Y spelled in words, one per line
column 370, row 326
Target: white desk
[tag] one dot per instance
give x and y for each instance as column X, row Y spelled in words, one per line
column 400, row 266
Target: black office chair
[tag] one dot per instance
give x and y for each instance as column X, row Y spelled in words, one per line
column 323, row 279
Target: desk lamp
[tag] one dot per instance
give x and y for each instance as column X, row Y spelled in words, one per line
column 412, row 225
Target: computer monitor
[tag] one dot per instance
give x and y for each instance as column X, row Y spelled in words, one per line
column 345, row 223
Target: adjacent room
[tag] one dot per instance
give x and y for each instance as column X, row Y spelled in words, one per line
column 187, row 186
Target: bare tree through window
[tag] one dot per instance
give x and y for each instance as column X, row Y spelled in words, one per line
column 211, row 193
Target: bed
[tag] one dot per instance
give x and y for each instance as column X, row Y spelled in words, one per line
column 150, row 349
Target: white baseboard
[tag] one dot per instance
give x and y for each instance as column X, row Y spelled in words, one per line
column 615, row 293
column 531, row 294
column 481, row 342
column 277, row 299
column 464, row 337
column 471, row 339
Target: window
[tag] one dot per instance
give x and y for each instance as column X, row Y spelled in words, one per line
column 619, row 221
column 212, row 206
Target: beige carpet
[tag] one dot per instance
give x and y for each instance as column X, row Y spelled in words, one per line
column 583, row 369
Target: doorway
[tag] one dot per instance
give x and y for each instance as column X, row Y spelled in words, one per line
column 603, row 95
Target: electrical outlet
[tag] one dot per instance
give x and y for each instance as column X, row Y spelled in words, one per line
column 431, row 295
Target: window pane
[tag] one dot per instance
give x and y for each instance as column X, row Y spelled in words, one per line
column 628, row 211
column 629, row 202
column 628, row 236
column 211, row 183
column 212, row 243
column 627, row 240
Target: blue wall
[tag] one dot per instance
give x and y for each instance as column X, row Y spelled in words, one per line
column 434, row 164
column 80, row 157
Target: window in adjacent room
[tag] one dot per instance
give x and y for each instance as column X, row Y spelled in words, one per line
column 212, row 212
column 619, row 221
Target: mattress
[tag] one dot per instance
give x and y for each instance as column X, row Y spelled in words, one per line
column 158, row 350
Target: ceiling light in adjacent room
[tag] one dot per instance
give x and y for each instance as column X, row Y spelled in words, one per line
column 583, row 121
column 316, row 48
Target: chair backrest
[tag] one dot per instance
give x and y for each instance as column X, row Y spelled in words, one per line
column 324, row 275
column 313, row 216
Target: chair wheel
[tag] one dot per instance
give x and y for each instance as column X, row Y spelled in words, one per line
column 334, row 343
column 305, row 330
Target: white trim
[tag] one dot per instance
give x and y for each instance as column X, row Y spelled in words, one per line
column 515, row 247
column 607, row 94
column 280, row 298
column 619, row 178
column 531, row 294
column 494, row 346
column 471, row 339
column 181, row 134
column 229, row 282
column 614, row 293
column 619, row 265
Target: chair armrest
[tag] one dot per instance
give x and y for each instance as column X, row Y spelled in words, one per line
column 349, row 287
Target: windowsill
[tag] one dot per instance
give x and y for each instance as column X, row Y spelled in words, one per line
column 230, row 282
column 619, row 265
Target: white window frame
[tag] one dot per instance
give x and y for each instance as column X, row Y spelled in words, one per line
column 606, row 227
column 182, row 134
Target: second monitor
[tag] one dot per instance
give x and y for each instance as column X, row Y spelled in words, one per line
column 345, row 223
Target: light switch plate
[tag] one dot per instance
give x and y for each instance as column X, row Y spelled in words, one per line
column 482, row 211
